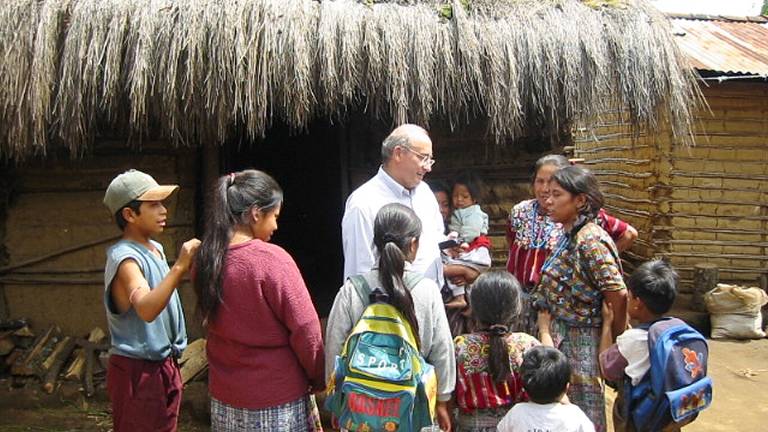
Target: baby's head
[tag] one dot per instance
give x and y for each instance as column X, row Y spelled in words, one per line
column 466, row 190
column 652, row 290
column 546, row 373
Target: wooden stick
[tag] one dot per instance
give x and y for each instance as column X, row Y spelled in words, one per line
column 75, row 248
column 90, row 350
column 52, row 281
column 60, row 252
column 30, row 363
column 60, row 356
column 75, row 371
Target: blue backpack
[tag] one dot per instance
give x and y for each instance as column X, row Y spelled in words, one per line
column 381, row 383
column 676, row 388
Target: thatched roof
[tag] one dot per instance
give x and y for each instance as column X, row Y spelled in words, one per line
column 198, row 70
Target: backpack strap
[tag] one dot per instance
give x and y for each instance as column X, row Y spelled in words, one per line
column 362, row 288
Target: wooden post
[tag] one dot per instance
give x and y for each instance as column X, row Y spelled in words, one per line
column 705, row 278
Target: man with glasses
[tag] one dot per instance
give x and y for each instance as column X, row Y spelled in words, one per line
column 406, row 156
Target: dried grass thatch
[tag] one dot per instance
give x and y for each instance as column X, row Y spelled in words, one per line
column 198, row 70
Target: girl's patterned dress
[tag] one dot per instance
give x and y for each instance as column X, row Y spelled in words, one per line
column 572, row 284
column 481, row 402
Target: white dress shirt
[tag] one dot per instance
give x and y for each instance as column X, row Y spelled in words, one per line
column 360, row 212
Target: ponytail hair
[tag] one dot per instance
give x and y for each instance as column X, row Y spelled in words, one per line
column 394, row 228
column 234, row 196
column 577, row 180
column 496, row 305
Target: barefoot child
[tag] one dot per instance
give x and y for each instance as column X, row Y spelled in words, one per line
column 144, row 314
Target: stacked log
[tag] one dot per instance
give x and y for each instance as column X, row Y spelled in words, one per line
column 51, row 357
column 41, row 359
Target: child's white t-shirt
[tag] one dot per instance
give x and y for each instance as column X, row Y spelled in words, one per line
column 553, row 417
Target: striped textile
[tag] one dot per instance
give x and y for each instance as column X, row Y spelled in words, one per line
column 295, row 416
column 485, row 420
column 580, row 345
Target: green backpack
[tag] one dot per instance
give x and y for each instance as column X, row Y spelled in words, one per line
column 380, row 381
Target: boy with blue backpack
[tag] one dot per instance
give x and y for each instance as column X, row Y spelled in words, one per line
column 660, row 365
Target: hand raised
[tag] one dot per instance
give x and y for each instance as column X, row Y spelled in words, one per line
column 187, row 253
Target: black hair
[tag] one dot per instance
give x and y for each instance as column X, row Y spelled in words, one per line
column 496, row 304
column 545, row 373
column 472, row 182
column 577, row 180
column 556, row 160
column 394, row 228
column 134, row 205
column 233, row 198
column 655, row 284
column 439, row 186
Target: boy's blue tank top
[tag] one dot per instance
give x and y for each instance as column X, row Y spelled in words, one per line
column 132, row 336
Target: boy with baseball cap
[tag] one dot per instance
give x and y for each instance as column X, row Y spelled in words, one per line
column 144, row 314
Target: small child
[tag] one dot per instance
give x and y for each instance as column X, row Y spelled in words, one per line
column 652, row 290
column 546, row 374
column 488, row 359
column 468, row 225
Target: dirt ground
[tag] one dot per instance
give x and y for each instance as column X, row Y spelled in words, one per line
column 739, row 371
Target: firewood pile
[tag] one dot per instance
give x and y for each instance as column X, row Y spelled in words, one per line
column 50, row 357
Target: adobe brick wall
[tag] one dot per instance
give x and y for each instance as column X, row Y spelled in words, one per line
column 705, row 203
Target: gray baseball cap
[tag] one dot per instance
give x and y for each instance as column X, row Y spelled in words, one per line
column 134, row 185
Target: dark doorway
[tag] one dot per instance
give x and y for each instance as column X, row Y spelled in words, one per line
column 308, row 167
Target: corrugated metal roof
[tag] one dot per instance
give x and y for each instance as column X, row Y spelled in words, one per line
column 719, row 44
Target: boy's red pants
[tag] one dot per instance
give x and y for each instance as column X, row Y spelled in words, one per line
column 145, row 395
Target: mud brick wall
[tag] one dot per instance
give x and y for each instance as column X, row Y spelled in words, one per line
column 705, row 203
column 57, row 206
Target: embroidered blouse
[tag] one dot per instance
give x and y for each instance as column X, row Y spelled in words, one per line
column 532, row 236
column 577, row 273
column 475, row 388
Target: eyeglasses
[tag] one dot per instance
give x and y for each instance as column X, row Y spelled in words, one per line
column 425, row 159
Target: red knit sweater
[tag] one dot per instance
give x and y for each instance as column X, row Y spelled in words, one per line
column 264, row 344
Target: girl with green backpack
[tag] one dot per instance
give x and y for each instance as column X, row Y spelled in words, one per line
column 419, row 308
